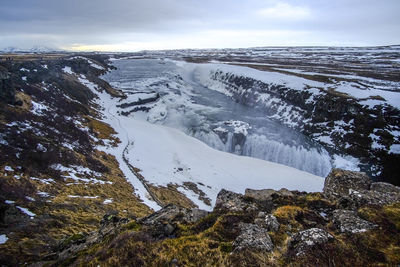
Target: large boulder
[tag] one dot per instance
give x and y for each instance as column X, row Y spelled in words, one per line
column 373, row 197
column 166, row 214
column 347, row 221
column 193, row 215
column 252, row 237
column 302, row 241
column 339, row 183
column 230, row 201
column 266, row 194
column 163, row 223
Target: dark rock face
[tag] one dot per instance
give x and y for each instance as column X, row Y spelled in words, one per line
column 227, row 200
column 305, row 240
column 253, row 237
column 347, row 221
column 339, row 183
column 327, row 107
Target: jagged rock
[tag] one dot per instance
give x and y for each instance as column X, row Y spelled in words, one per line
column 347, row 221
column 385, row 188
column 339, row 183
column 262, row 195
column 167, row 213
column 227, row 200
column 266, row 194
column 253, row 237
column 271, row 223
column 355, row 189
column 109, row 223
column 194, row 215
column 373, row 197
column 161, row 224
column 305, row 240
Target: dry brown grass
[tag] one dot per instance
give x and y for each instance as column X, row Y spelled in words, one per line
column 26, row 101
column 170, row 194
column 60, row 215
column 102, row 130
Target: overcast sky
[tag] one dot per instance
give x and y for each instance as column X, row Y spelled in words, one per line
column 132, row 25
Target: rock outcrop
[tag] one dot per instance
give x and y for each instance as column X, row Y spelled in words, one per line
column 307, row 239
column 312, row 229
column 355, row 189
column 266, row 194
column 347, row 221
column 253, row 237
column 230, row 201
column 340, row 183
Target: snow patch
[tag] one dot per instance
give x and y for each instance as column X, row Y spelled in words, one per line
column 8, row 169
column 346, row 162
column 38, row 108
column 67, row 70
column 395, row 149
column 3, row 239
column 108, row 201
column 27, row 212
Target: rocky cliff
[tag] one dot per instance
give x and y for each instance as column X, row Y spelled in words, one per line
column 343, row 124
column 354, row 222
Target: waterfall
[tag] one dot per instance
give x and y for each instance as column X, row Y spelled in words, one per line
column 313, row 160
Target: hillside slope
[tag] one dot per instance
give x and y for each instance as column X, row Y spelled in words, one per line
column 260, row 228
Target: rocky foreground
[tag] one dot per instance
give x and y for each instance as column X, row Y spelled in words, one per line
column 354, row 222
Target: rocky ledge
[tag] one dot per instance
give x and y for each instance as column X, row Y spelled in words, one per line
column 354, row 222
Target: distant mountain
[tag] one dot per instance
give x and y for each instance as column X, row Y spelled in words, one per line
column 34, row 49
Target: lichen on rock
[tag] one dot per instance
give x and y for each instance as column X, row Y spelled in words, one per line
column 305, row 240
column 347, row 221
column 253, row 237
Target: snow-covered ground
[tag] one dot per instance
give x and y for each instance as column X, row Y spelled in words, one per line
column 166, row 155
column 210, row 115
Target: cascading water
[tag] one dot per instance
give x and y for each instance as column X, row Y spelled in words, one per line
column 214, row 118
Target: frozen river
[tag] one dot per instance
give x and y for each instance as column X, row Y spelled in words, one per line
column 168, row 93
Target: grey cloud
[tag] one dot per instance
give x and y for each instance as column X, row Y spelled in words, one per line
column 96, row 22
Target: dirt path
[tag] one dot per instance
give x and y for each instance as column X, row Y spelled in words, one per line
column 130, row 167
